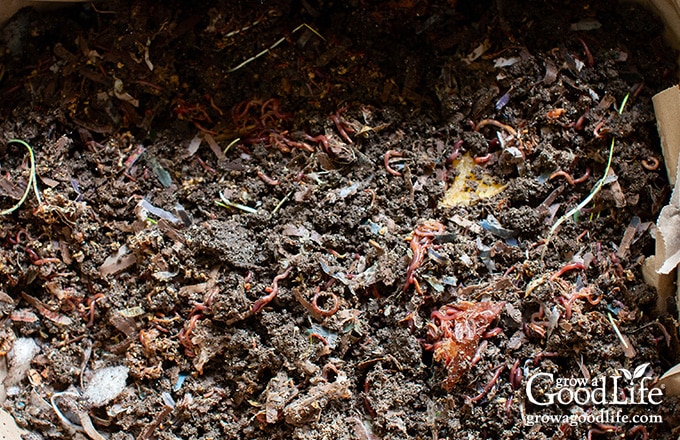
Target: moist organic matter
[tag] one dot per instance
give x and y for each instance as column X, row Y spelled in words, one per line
column 324, row 220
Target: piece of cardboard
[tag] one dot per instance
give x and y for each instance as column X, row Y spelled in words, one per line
column 669, row 11
column 667, row 109
column 660, row 270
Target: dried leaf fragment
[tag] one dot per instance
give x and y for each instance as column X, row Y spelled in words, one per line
column 280, row 391
column 53, row 316
column 118, row 262
column 308, row 408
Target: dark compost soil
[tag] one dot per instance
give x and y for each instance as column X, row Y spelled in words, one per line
column 268, row 245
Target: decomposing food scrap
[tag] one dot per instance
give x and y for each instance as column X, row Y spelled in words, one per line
column 469, row 187
column 455, row 333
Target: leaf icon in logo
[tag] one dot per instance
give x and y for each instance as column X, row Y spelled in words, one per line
column 627, row 374
column 640, row 371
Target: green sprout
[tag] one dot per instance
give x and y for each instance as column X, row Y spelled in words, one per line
column 32, row 180
column 232, row 143
column 226, row 203
column 596, row 189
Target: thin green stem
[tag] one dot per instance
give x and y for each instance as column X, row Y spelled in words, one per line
column 593, row 193
column 32, row 180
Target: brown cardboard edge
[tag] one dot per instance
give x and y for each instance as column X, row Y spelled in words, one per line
column 669, row 11
column 667, row 110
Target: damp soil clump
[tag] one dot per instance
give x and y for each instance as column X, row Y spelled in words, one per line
column 324, row 220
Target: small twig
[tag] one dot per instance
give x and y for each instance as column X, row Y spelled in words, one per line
column 88, row 427
column 279, row 41
column 280, row 204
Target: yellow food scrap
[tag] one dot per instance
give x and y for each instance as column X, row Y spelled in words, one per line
column 468, row 188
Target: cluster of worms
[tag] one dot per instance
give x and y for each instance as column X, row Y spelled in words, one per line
column 257, row 121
